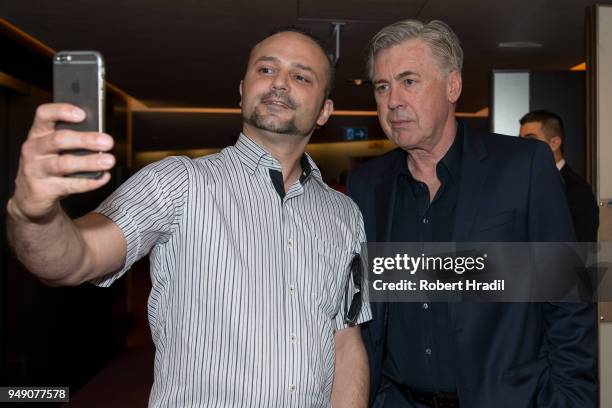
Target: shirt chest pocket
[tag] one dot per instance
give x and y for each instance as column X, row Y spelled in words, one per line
column 328, row 268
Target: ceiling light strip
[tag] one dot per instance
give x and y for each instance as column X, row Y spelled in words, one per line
column 236, row 111
column 25, row 39
column 41, row 48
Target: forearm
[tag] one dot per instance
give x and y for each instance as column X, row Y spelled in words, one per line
column 52, row 248
column 352, row 374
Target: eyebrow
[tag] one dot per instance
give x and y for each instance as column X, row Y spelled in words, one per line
column 397, row 77
column 267, row 58
column 295, row 64
column 404, row 75
column 304, row 67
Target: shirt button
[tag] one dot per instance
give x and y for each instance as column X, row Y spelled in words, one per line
column 425, row 220
column 292, row 289
column 292, row 336
column 425, row 306
column 290, row 242
column 428, row 351
column 291, row 387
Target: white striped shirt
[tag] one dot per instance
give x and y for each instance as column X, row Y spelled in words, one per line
column 247, row 287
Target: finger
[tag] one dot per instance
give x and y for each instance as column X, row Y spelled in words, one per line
column 67, row 164
column 62, row 140
column 74, row 185
column 48, row 114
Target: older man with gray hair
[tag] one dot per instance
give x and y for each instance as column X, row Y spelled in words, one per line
column 446, row 182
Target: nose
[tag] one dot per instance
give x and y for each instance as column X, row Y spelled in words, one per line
column 280, row 82
column 395, row 99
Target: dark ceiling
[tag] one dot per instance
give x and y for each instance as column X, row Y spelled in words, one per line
column 193, row 52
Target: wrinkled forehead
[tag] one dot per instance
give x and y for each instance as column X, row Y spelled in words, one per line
column 409, row 55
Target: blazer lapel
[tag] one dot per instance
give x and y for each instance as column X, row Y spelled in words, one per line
column 384, row 202
column 385, row 198
column 474, row 171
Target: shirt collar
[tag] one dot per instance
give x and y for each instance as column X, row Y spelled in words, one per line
column 451, row 160
column 253, row 155
column 560, row 164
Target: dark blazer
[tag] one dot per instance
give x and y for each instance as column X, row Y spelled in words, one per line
column 514, row 355
column 582, row 205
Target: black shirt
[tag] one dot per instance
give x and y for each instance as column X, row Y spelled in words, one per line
column 418, row 353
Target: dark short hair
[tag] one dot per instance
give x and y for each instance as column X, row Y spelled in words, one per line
column 306, row 33
column 552, row 124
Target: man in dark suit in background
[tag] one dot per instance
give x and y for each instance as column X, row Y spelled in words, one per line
column 548, row 128
column 444, row 183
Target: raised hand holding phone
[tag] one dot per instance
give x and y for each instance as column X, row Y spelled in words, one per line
column 41, row 178
column 66, row 151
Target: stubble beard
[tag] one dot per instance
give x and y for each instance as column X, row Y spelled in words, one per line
column 285, row 127
column 275, row 125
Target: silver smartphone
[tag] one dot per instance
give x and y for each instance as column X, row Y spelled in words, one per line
column 78, row 79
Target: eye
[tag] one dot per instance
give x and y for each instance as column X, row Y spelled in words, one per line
column 302, row 78
column 264, row 70
column 380, row 88
column 408, row 82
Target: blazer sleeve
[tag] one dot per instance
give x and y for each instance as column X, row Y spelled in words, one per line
column 371, row 331
column 586, row 217
column 570, row 346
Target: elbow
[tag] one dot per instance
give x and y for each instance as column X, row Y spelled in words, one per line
column 69, row 280
column 60, row 276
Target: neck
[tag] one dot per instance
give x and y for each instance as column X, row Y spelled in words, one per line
column 287, row 149
column 422, row 160
column 558, row 156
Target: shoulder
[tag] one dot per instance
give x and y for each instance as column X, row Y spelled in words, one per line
column 207, row 167
column 180, row 167
column 378, row 165
column 503, row 144
column 526, row 154
column 167, row 165
column 212, row 161
column 571, row 177
column 578, row 190
column 174, row 172
column 170, row 170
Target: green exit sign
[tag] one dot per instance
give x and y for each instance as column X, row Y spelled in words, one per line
column 355, row 133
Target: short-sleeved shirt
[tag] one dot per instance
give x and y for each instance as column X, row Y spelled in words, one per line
column 248, row 285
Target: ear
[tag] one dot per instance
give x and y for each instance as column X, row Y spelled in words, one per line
column 240, row 92
column 555, row 143
column 326, row 111
column 454, row 84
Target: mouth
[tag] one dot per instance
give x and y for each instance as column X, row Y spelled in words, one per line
column 400, row 123
column 277, row 103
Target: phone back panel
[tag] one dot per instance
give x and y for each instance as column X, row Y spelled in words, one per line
column 78, row 79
